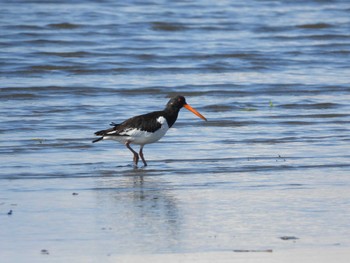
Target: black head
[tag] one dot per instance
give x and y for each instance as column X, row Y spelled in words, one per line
column 176, row 103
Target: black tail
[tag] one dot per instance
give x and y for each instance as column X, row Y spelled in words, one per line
column 99, row 133
column 99, row 139
column 104, row 132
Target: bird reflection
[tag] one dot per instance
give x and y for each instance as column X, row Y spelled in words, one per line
column 141, row 210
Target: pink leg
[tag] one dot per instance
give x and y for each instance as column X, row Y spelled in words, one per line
column 136, row 156
column 141, row 155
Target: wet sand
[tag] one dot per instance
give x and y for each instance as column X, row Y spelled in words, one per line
column 338, row 255
column 148, row 219
column 285, row 256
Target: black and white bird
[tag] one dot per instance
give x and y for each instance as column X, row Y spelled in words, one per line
column 146, row 128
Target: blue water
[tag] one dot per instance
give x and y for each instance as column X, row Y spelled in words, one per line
column 272, row 78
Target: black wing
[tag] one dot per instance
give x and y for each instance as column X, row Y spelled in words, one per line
column 146, row 122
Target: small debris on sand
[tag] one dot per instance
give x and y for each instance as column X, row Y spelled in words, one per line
column 253, row 250
column 288, row 238
column 45, row 252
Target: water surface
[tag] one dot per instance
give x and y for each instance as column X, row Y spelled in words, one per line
column 272, row 77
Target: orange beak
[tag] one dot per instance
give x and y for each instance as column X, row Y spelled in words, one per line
column 194, row 111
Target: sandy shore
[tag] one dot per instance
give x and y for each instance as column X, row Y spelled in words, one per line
column 319, row 255
column 338, row 255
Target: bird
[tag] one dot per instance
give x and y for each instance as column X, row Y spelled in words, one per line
column 147, row 128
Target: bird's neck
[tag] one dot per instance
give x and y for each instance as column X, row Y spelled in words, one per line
column 171, row 116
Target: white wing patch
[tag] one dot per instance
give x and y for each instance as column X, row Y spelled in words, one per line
column 127, row 132
column 111, row 132
column 162, row 120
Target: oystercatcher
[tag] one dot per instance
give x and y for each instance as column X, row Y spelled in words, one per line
column 147, row 128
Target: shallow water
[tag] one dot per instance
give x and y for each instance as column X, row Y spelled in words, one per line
column 272, row 77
